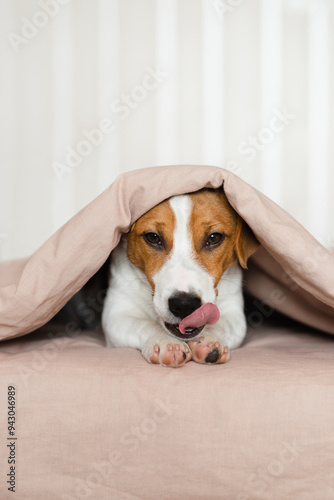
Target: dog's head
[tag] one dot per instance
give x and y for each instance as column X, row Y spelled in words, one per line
column 184, row 245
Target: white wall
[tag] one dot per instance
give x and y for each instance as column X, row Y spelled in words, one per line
column 227, row 69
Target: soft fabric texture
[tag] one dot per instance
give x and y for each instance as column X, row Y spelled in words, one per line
column 75, row 252
column 104, row 424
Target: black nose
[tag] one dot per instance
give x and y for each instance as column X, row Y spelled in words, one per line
column 182, row 304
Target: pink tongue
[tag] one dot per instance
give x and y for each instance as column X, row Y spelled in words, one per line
column 208, row 314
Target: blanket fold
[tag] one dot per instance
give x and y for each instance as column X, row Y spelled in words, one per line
column 291, row 272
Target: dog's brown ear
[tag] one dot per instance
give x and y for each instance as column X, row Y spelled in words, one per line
column 245, row 242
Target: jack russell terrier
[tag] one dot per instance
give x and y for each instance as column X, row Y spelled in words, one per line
column 176, row 287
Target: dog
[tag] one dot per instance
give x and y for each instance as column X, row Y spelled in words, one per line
column 175, row 289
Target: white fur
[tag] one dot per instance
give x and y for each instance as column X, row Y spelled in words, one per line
column 133, row 318
column 181, row 272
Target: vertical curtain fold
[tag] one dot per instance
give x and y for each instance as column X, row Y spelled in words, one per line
column 92, row 89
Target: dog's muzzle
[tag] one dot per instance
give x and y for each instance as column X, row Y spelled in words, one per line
column 181, row 305
column 190, row 333
column 191, row 324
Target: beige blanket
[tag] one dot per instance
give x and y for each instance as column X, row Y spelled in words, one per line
column 293, row 271
column 104, row 424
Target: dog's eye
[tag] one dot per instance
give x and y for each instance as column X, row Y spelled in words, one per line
column 214, row 239
column 153, row 239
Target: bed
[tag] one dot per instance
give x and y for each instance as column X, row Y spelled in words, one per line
column 79, row 420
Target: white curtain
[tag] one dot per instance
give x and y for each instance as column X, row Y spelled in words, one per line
column 93, row 88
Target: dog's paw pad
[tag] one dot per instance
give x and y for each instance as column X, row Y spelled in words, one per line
column 175, row 355
column 154, row 356
column 170, row 354
column 213, row 356
column 209, row 352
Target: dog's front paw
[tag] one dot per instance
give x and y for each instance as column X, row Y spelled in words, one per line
column 209, row 350
column 167, row 352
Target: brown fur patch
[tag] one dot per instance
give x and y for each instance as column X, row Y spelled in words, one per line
column 213, row 214
column 160, row 220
